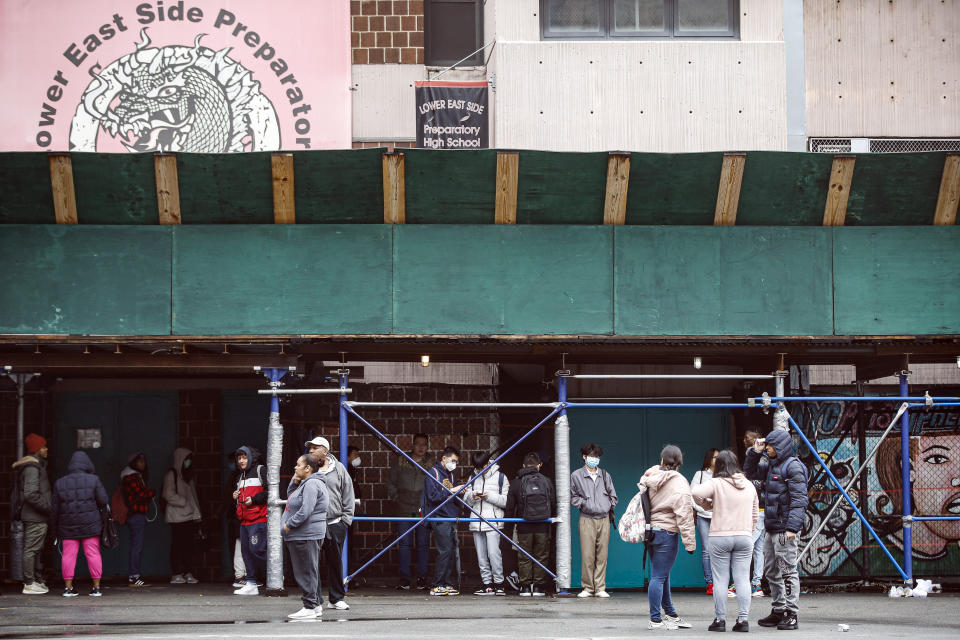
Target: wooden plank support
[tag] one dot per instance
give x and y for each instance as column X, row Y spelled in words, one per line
column 284, row 207
column 394, row 190
column 508, row 167
column 841, row 177
column 949, row 196
column 618, row 181
column 168, row 187
column 728, row 194
column 61, row 184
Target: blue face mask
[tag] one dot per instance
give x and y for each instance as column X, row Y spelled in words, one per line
column 186, row 463
column 592, row 462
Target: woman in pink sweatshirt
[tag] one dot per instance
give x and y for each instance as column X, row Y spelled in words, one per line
column 733, row 500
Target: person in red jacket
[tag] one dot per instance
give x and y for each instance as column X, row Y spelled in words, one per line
column 251, row 499
column 137, row 497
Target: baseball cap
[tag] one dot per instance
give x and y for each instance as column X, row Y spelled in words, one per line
column 319, row 442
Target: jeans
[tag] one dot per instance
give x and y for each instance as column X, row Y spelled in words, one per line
column 663, row 555
column 332, row 553
column 780, row 566
column 253, row 546
column 34, row 534
column 138, row 529
column 443, row 535
column 422, row 536
column 703, row 532
column 305, row 560
column 759, row 533
column 731, row 554
column 488, row 556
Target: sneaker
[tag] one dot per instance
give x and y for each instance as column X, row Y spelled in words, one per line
column 536, row 592
column 677, row 621
column 665, row 624
column 239, row 582
column 757, row 592
column 421, row 584
column 717, row 625
column 95, row 592
column 498, row 589
column 788, row 622
column 586, row 593
column 439, row 591
column 513, row 580
column 710, row 589
column 248, row 589
column 602, row 594
column 772, row 620
column 190, row 579
column 340, row 605
column 178, row 579
column 451, row 591
column 732, row 592
column 403, row 585
column 742, row 626
column 526, row 591
column 306, row 614
column 70, row 592
column 136, row 582
column 34, row 588
column 485, row 590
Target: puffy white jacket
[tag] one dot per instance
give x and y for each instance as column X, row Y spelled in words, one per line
column 496, row 500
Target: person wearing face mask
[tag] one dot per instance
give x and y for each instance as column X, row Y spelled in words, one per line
column 182, row 513
column 488, row 496
column 439, row 486
column 592, row 492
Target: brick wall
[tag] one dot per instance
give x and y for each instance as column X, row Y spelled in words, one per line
column 387, row 31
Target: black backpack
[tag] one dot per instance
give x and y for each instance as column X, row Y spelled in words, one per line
column 535, row 497
column 16, row 496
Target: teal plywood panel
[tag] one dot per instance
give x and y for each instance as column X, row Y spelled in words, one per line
column 75, row 279
column 449, row 187
column 897, row 281
column 339, row 187
column 673, row 188
column 25, row 193
column 228, row 188
column 115, row 188
column 291, row 279
column 784, row 189
column 894, row 189
column 561, row 188
column 511, row 279
column 723, row 281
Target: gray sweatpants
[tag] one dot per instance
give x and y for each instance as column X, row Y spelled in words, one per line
column 34, row 534
column 780, row 567
column 731, row 554
column 305, row 560
column 488, row 556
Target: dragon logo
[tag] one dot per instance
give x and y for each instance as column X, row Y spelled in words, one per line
column 176, row 98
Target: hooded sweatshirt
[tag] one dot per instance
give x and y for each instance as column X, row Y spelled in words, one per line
column 496, row 486
column 250, row 485
column 180, row 493
column 35, row 489
column 734, row 503
column 136, row 494
column 339, row 491
column 77, row 498
column 784, row 483
column 671, row 508
column 305, row 514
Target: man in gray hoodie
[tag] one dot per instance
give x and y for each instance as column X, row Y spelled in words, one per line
column 339, row 517
column 304, row 523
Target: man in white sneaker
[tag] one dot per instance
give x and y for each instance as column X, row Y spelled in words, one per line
column 304, row 522
column 32, row 507
column 339, row 516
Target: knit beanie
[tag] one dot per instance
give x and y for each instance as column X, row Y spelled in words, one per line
column 34, row 443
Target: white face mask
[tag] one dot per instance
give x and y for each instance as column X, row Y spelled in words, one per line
column 355, row 462
column 593, row 462
column 492, row 470
column 450, row 466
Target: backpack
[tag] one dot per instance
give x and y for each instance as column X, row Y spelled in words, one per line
column 16, row 496
column 118, row 505
column 535, row 498
column 635, row 523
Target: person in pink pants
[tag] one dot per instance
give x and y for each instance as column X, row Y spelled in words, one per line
column 75, row 518
column 91, row 549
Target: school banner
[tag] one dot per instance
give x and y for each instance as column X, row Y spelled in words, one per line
column 452, row 115
column 206, row 76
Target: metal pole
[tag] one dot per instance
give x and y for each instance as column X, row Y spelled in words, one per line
column 780, row 415
column 670, row 376
column 905, row 483
column 294, row 392
column 516, row 405
column 561, row 468
column 344, row 375
column 274, row 510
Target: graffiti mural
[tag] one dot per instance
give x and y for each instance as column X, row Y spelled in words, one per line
column 844, row 434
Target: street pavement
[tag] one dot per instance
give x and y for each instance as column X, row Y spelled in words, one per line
column 212, row 611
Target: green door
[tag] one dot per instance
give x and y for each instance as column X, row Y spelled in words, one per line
column 631, row 440
column 129, row 422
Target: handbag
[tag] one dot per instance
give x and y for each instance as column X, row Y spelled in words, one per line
column 109, row 537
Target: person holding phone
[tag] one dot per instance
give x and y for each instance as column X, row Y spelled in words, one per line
column 488, row 496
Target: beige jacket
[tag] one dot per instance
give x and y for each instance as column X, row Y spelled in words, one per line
column 734, row 503
column 671, row 508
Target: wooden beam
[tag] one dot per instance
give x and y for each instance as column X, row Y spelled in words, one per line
column 508, row 167
column 841, row 177
column 949, row 196
column 168, row 187
column 618, row 182
column 394, row 190
column 728, row 194
column 284, row 209
column 61, row 184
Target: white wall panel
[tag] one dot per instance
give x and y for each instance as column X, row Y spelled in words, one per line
column 516, row 20
column 761, row 20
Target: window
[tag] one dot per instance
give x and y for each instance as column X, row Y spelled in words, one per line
column 452, row 30
column 659, row 19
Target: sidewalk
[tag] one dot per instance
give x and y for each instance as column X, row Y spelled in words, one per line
column 211, row 611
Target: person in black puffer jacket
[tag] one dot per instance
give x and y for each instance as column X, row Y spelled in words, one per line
column 75, row 519
column 785, row 501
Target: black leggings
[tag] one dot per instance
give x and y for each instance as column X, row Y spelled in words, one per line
column 182, row 547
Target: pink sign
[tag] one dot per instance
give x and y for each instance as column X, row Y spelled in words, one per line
column 205, row 76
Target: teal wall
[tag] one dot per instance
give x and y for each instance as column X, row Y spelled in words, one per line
column 631, row 440
column 480, row 279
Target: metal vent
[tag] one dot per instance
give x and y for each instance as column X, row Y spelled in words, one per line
column 881, row 145
column 829, row 145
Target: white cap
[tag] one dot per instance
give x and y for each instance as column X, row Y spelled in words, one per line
column 318, row 442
